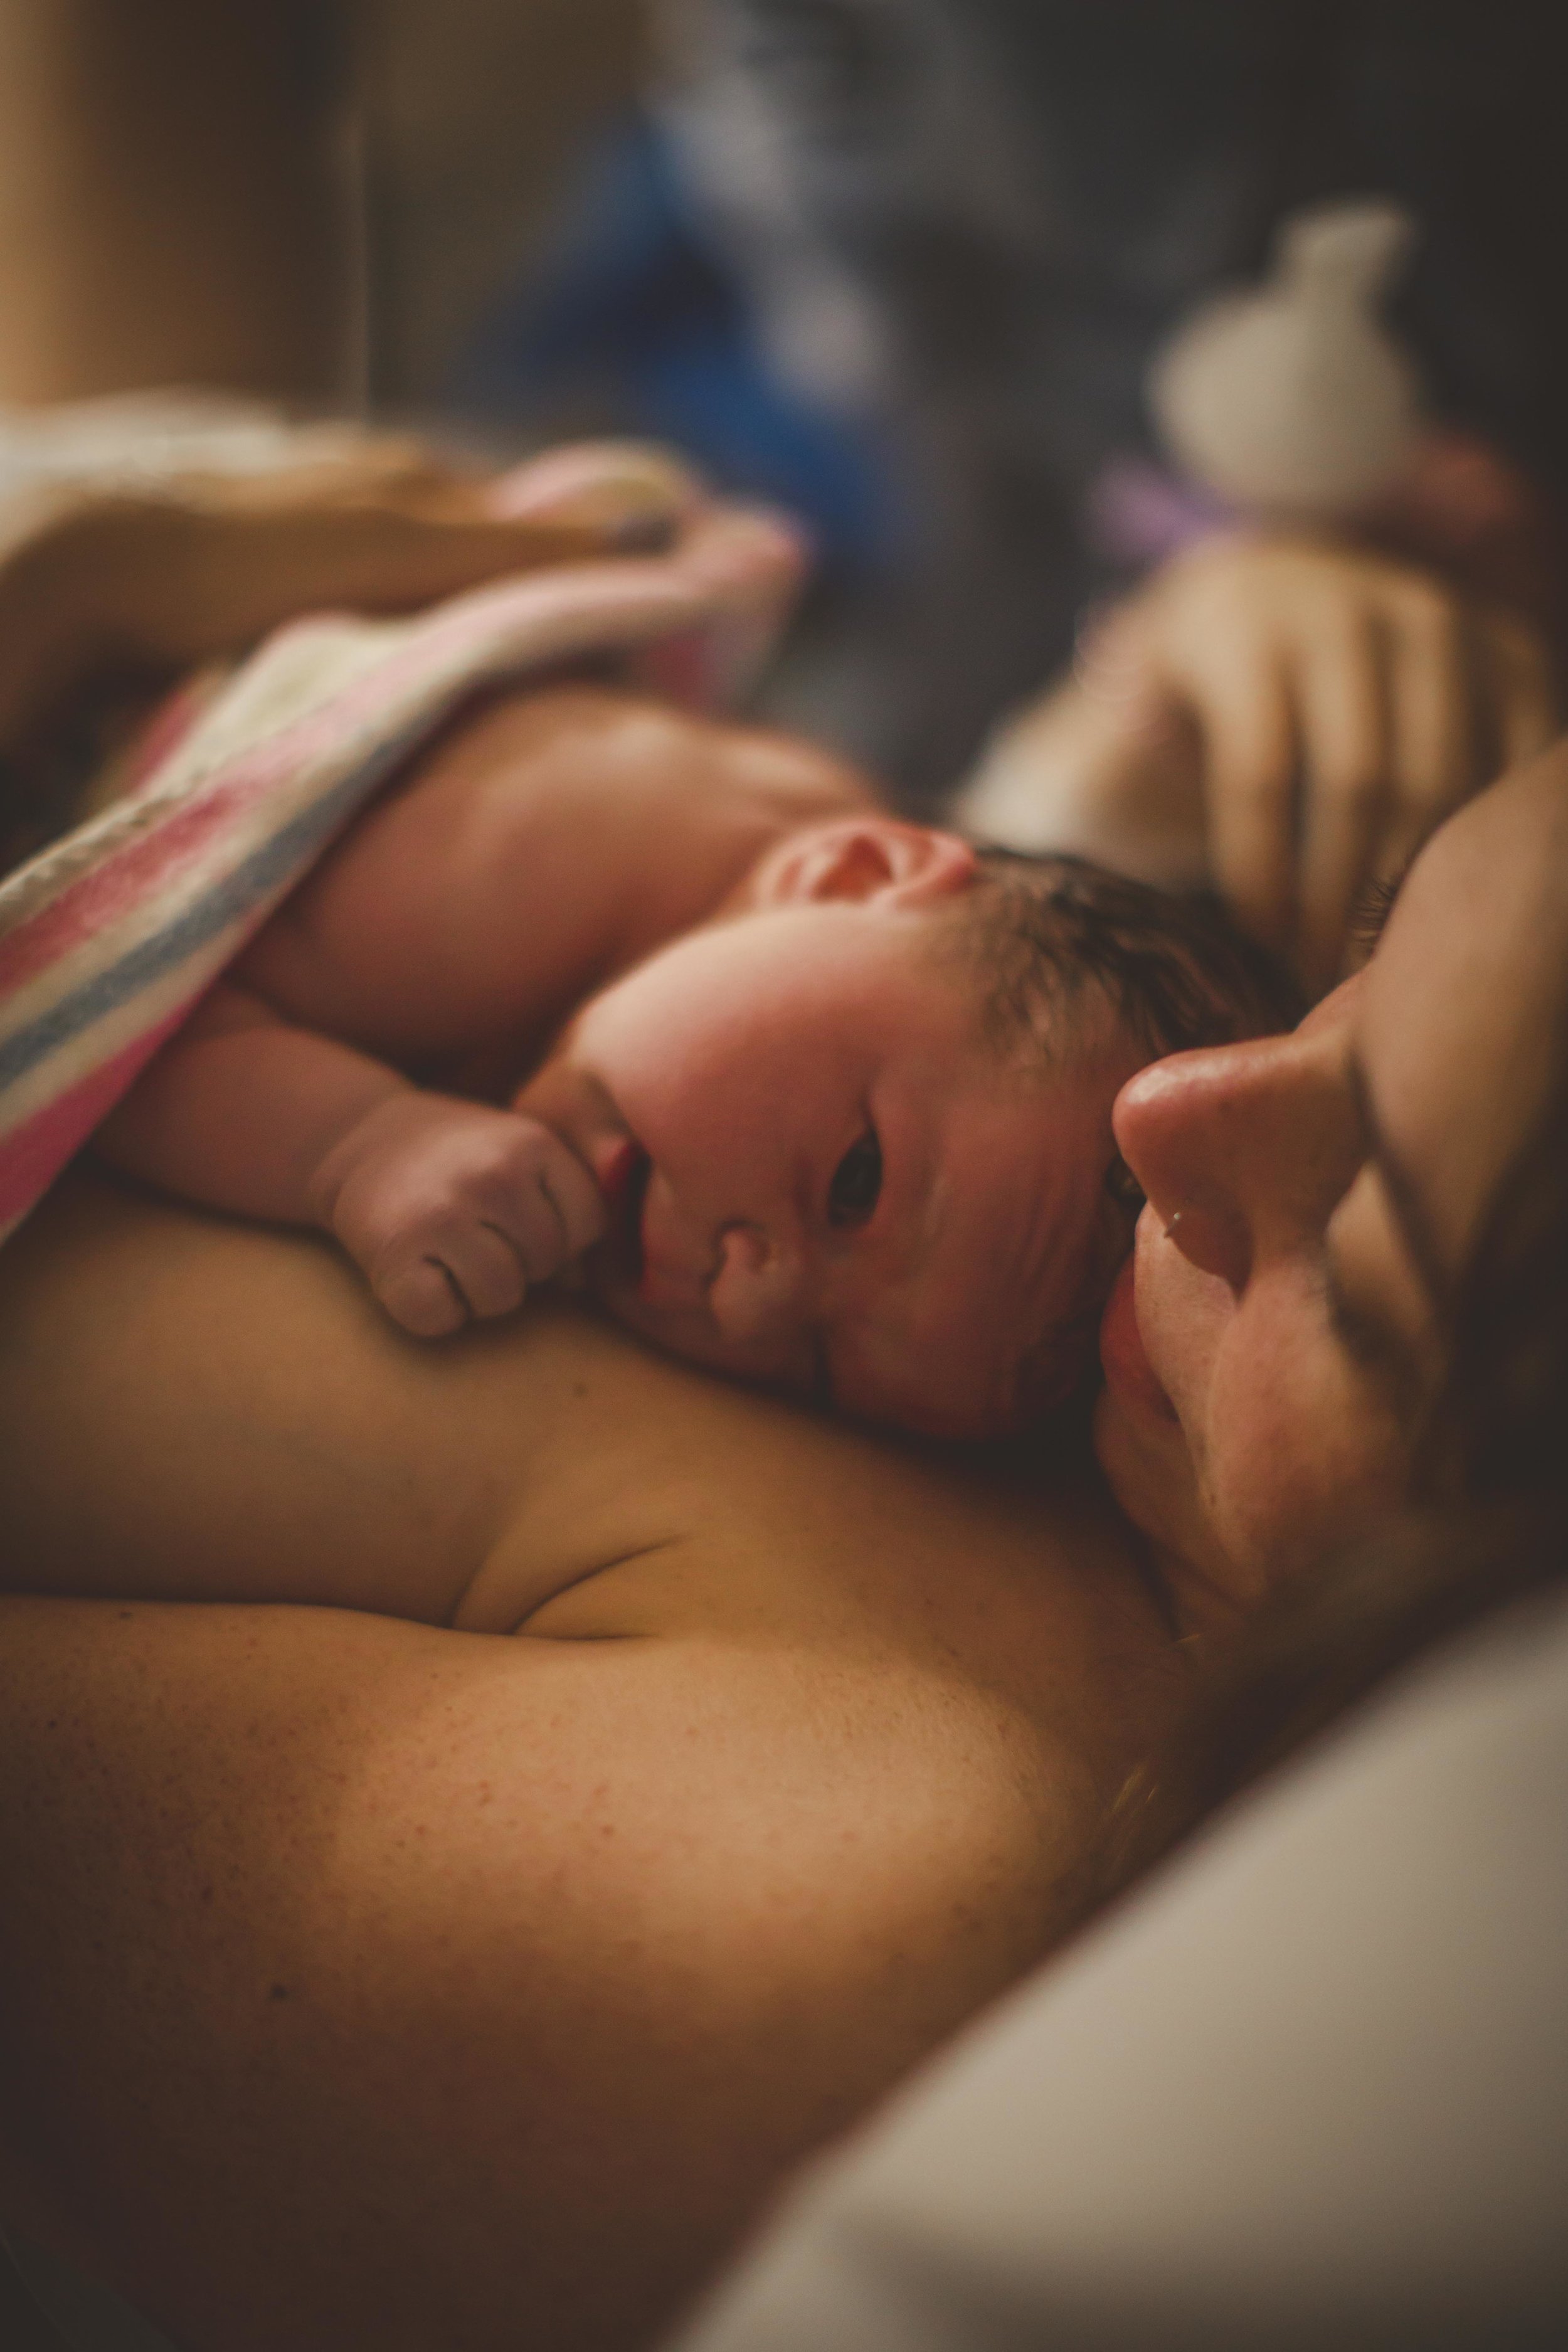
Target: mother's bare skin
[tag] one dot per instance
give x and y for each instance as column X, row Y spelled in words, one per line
column 390, row 1982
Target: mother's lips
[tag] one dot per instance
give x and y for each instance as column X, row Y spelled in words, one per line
column 1127, row 1368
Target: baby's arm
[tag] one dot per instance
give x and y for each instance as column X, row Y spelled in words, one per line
column 450, row 1208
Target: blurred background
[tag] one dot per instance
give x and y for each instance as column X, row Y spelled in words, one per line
column 900, row 265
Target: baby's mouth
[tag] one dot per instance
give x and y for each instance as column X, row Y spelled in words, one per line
column 624, row 1180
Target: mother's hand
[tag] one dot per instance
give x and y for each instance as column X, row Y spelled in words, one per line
column 1285, row 718
column 1344, row 705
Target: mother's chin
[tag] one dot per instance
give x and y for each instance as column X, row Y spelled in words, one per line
column 1150, row 1475
column 1144, row 1452
column 1224, row 1491
column 1225, row 1441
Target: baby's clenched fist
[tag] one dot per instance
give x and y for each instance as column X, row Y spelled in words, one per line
column 453, row 1209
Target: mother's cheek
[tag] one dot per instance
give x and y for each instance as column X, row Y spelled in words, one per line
column 1299, row 1458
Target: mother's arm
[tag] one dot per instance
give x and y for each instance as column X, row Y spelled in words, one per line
column 395, row 1987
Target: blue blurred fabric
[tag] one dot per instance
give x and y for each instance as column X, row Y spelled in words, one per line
column 630, row 315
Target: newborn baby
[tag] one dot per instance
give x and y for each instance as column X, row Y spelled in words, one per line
column 806, row 1093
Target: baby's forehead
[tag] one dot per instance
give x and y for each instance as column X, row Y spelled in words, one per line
column 1019, row 1055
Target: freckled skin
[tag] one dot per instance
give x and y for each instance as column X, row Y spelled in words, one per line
column 628, row 1778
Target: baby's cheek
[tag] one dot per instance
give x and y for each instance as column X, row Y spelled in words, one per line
column 930, row 1392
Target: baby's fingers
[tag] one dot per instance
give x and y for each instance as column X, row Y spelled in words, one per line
column 422, row 1298
column 577, row 1215
column 518, row 1217
column 464, row 1270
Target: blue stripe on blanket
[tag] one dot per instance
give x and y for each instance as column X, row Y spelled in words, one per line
column 277, row 861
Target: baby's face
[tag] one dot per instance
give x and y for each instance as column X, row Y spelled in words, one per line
column 821, row 1178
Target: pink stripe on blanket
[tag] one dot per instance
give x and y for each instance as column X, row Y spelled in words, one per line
column 134, row 870
column 33, row 1154
column 133, row 875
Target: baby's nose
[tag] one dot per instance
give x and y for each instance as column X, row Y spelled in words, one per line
column 757, row 1289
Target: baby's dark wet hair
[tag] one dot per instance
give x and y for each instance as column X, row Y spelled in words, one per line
column 1040, row 932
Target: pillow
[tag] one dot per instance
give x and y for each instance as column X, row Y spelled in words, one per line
column 1309, row 2084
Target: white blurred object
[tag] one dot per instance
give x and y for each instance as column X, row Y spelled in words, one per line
column 137, row 439
column 1296, row 402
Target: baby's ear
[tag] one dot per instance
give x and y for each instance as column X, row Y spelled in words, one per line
column 865, row 858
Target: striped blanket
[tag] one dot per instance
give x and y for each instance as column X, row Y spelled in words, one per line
column 109, row 937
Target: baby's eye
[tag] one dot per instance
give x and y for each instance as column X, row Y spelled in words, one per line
column 1123, row 1185
column 857, row 1181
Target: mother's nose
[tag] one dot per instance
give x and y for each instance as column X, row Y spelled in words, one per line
column 758, row 1284
column 1242, row 1148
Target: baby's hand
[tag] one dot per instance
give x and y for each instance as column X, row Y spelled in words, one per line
column 453, row 1209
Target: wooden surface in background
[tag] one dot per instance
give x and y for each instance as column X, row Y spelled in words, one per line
column 473, row 110
column 302, row 197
